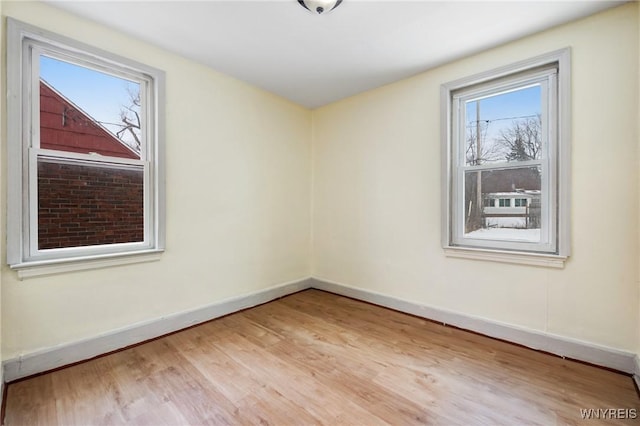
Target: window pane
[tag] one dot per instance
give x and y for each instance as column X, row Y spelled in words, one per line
column 516, row 216
column 84, row 205
column 87, row 111
column 504, row 127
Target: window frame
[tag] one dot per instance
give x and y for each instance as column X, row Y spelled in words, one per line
column 557, row 250
column 25, row 44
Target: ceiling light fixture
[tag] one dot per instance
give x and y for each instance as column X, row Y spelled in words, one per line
column 320, row 6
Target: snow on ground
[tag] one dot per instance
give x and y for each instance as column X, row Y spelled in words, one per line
column 512, row 234
column 506, row 222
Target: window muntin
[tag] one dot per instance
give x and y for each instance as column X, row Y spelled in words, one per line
column 528, row 181
column 86, row 180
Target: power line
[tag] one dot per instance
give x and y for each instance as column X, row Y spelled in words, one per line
column 112, row 124
column 90, row 120
column 473, row 122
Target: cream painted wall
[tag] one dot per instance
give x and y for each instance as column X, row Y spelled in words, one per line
column 238, row 220
column 2, row 228
column 638, row 166
column 376, row 194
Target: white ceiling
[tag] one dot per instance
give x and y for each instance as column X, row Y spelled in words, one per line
column 314, row 60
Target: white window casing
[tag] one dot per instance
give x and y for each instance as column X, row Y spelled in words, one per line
column 551, row 72
column 25, row 45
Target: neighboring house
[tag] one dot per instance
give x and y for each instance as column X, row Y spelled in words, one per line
column 507, row 180
column 511, row 198
column 76, row 198
column 66, row 127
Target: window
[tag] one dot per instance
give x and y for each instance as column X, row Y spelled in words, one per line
column 85, row 152
column 504, row 202
column 506, row 136
column 489, row 202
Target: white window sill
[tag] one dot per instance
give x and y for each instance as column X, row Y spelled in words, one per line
column 61, row 266
column 531, row 259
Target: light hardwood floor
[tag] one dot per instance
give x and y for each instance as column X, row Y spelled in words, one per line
column 317, row 358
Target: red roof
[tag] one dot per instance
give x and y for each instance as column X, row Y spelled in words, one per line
column 66, row 127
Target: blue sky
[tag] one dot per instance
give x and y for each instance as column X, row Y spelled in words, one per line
column 512, row 104
column 499, row 110
column 100, row 95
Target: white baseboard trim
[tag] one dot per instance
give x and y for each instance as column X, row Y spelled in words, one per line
column 59, row 356
column 616, row 359
column 70, row 353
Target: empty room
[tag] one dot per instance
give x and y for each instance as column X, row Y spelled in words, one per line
column 320, row 212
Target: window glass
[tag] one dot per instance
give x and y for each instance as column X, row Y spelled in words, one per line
column 84, row 205
column 504, row 127
column 88, row 112
column 504, row 223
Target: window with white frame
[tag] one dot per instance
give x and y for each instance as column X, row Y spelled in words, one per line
column 85, row 152
column 505, row 136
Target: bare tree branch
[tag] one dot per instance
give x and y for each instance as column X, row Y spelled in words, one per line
column 130, row 116
column 489, row 152
column 523, row 140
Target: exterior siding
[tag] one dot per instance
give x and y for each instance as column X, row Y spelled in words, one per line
column 64, row 127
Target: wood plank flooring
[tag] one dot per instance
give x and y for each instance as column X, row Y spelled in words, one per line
column 318, row 358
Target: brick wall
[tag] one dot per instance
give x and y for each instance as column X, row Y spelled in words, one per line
column 80, row 205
